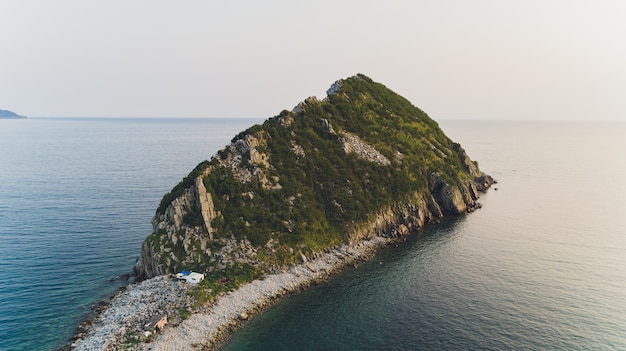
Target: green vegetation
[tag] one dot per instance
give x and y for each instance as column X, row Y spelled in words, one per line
column 183, row 313
column 309, row 200
column 180, row 187
column 131, row 340
column 218, row 282
column 330, row 189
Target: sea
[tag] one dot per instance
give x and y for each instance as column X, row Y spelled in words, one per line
column 541, row 266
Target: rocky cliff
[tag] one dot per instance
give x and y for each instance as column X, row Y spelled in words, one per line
column 363, row 162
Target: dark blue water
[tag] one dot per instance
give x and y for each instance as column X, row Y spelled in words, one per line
column 542, row 266
column 76, row 199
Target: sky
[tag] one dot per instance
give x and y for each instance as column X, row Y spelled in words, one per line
column 455, row 59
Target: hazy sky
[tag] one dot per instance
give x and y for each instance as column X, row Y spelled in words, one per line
column 481, row 59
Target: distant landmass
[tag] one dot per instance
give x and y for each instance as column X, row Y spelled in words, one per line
column 9, row 114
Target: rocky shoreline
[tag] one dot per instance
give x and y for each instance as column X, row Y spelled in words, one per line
column 121, row 320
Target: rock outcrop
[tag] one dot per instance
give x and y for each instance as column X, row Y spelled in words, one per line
column 359, row 164
column 353, row 144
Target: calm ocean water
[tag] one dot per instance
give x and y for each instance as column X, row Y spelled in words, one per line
column 76, row 199
column 541, row 266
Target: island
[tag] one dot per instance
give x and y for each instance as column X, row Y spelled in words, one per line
column 311, row 191
column 6, row 114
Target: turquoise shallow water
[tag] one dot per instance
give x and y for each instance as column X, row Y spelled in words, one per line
column 540, row 266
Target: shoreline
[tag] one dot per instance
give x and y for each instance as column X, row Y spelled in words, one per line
column 211, row 327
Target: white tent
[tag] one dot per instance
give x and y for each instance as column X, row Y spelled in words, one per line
column 194, row 277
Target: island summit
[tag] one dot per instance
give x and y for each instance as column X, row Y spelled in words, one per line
column 361, row 163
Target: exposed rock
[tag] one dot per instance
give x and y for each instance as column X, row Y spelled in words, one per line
column 205, row 201
column 483, row 182
column 334, row 87
column 297, row 149
column 354, row 144
column 286, row 120
column 328, row 126
column 125, row 315
column 301, row 107
column 453, row 199
column 472, row 166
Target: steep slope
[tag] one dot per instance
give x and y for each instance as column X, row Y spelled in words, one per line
column 363, row 162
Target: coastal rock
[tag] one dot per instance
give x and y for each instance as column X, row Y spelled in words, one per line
column 483, row 182
column 123, row 318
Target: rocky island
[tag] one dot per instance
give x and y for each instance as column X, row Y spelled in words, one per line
column 6, row 114
column 285, row 204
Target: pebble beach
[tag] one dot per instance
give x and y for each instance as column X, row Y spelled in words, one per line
column 125, row 316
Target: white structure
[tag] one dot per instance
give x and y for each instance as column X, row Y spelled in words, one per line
column 192, row 277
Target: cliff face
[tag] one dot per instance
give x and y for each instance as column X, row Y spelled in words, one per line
column 363, row 162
